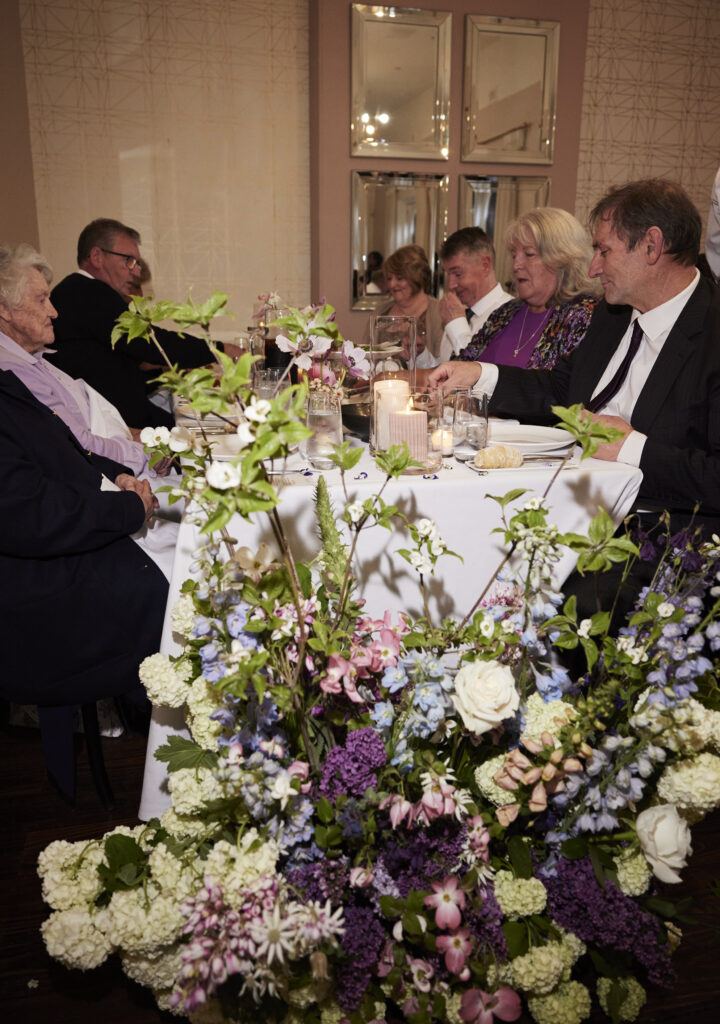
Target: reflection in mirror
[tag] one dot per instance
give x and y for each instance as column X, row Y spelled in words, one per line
column 509, row 89
column 390, row 210
column 492, row 202
column 400, row 82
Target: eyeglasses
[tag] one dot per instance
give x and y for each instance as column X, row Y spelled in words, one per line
column 130, row 261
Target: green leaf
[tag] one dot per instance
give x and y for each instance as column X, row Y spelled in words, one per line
column 325, row 810
column 516, row 937
column 179, row 752
column 520, row 859
column 575, row 848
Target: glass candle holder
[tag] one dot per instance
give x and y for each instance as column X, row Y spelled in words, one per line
column 394, row 345
column 419, row 426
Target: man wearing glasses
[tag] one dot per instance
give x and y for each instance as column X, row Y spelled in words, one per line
column 88, row 303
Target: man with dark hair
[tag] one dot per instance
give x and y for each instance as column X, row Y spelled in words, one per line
column 472, row 291
column 649, row 364
column 89, row 302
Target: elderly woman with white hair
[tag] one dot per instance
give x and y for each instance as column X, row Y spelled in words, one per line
column 551, row 255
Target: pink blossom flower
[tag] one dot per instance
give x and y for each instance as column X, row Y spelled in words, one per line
column 448, row 900
column 422, row 973
column 456, row 947
column 507, row 814
column 478, row 837
column 478, row 1007
column 360, row 877
column 356, row 360
column 400, row 808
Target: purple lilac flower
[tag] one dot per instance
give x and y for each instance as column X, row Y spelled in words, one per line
column 486, row 926
column 423, row 856
column 351, row 769
column 322, row 880
column 351, row 986
column 363, row 938
column 606, row 917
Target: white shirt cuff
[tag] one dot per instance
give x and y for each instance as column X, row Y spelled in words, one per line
column 486, row 382
column 632, row 448
column 458, row 333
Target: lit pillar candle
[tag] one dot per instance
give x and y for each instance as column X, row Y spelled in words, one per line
column 410, row 426
column 389, row 396
column 442, row 440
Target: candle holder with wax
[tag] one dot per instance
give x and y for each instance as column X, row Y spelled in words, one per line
column 419, row 426
column 393, row 376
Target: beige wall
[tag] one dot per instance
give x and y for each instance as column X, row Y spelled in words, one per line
column 188, row 120
column 18, row 216
column 651, row 104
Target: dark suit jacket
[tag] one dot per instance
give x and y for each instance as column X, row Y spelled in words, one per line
column 678, row 408
column 87, row 311
column 80, row 602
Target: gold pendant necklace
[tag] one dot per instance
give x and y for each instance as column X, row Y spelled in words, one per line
column 523, row 344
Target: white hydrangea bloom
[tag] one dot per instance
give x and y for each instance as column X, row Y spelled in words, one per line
column 182, row 826
column 542, row 716
column 182, row 616
column 165, row 683
column 71, row 936
column 539, row 970
column 693, row 786
column 139, row 922
column 69, row 874
column 155, row 972
column 237, row 867
column 519, row 897
column 486, row 783
column 172, row 876
column 202, row 700
column 633, row 872
column 191, row 788
column 633, row 1002
column 569, row 1004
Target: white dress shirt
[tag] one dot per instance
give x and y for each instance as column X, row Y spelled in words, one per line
column 656, row 324
column 459, row 333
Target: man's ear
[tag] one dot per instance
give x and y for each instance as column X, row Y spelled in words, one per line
column 653, row 244
column 95, row 259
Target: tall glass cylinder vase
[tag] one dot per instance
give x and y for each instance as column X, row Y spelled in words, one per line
column 392, row 360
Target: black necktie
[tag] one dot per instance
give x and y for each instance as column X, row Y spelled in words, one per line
column 469, row 315
column 613, row 386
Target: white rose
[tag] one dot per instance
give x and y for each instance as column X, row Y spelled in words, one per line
column 222, row 475
column 665, row 839
column 484, row 695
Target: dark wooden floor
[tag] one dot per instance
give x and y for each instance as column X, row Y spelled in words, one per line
column 36, row 990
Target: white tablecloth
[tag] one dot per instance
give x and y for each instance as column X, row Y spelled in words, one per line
column 455, row 497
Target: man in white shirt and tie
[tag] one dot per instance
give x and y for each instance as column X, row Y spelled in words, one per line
column 665, row 399
column 473, row 292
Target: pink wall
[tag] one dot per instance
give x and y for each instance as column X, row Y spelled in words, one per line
column 331, row 164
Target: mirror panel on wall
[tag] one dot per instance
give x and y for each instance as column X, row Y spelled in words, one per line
column 390, row 210
column 400, row 82
column 509, row 89
column 491, row 202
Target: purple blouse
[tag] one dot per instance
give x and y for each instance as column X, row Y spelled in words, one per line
column 514, row 344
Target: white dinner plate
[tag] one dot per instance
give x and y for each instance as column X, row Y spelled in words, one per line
column 527, row 438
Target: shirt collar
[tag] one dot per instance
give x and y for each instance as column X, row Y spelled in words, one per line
column 659, row 320
column 18, row 353
column 481, row 304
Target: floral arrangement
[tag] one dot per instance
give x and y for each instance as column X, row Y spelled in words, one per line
column 384, row 820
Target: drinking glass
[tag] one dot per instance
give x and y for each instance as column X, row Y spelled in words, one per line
column 266, row 381
column 470, row 424
column 323, row 417
column 394, row 344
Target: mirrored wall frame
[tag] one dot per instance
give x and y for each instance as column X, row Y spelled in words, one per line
column 509, row 89
column 400, row 82
column 390, row 210
column 491, row 202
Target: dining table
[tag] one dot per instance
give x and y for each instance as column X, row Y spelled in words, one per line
column 459, row 499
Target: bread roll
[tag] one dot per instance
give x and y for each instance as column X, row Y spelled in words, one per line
column 498, row 456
